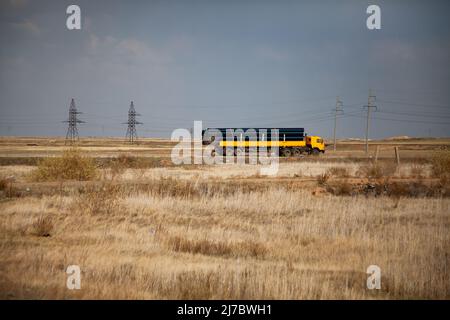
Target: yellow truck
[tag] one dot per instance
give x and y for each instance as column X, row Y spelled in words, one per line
column 291, row 141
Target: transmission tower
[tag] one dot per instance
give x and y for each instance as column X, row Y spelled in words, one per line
column 337, row 111
column 131, row 135
column 369, row 106
column 72, row 131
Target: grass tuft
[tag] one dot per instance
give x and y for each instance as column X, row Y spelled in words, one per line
column 42, row 227
column 440, row 164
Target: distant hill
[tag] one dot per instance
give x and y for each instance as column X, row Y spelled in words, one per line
column 398, row 138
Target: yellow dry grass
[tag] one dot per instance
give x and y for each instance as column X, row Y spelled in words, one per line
column 224, row 232
column 211, row 239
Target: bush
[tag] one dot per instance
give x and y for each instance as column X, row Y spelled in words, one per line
column 42, row 227
column 72, row 165
column 341, row 188
column 3, row 184
column 376, row 170
column 338, row 172
column 98, row 200
column 128, row 161
column 323, row 178
column 7, row 188
column 440, row 164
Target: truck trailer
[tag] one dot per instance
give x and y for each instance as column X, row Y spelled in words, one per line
column 290, row 141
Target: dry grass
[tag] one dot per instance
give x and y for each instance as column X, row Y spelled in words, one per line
column 341, row 188
column 7, row 189
column 323, row 178
column 440, row 164
column 216, row 248
column 3, row 184
column 377, row 170
column 97, row 200
column 72, row 165
column 339, row 172
column 209, row 236
column 42, row 227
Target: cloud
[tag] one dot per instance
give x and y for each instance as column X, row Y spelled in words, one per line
column 28, row 26
column 18, row 3
column 395, row 50
column 132, row 63
column 134, row 51
column 271, row 54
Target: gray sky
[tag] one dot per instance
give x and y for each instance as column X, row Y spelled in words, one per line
column 229, row 63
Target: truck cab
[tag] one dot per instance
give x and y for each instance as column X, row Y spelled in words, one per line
column 316, row 144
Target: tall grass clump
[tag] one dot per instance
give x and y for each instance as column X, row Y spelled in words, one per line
column 374, row 170
column 99, row 200
column 72, row 165
column 440, row 164
column 42, row 227
column 339, row 172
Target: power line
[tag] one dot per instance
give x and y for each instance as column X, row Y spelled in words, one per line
column 405, row 120
column 413, row 104
column 424, row 115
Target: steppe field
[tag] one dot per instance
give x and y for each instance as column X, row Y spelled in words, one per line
column 140, row 227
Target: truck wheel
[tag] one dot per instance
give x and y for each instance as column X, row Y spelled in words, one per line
column 297, row 152
column 287, row 152
column 315, row 152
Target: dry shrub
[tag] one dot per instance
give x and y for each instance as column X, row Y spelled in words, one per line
column 375, row 170
column 42, row 227
column 3, row 184
column 341, row 188
column 124, row 161
column 129, row 161
column 339, row 172
column 216, row 248
column 440, row 165
column 72, row 165
column 415, row 189
column 323, row 178
column 98, row 200
column 7, row 189
column 370, row 171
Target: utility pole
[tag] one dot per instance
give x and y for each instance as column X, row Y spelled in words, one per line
column 337, row 110
column 369, row 106
column 131, row 135
column 72, row 131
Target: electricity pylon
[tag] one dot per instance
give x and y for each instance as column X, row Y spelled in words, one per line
column 369, row 106
column 131, row 135
column 72, row 131
column 337, row 110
